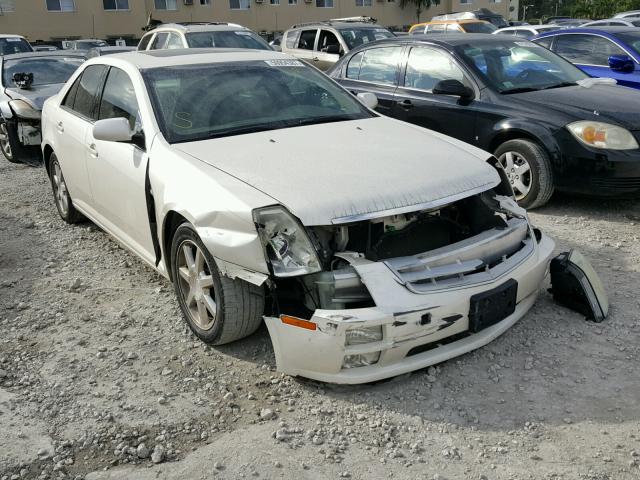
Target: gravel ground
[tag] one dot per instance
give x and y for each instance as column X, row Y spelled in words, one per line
column 100, row 378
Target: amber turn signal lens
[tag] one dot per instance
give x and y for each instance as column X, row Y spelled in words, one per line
column 298, row 322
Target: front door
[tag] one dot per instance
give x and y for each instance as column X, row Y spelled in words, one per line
column 328, row 50
column 415, row 102
column 117, row 170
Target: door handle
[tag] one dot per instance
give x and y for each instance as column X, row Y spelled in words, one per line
column 406, row 104
column 60, row 127
column 93, row 151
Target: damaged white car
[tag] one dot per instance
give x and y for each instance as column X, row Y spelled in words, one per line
column 264, row 190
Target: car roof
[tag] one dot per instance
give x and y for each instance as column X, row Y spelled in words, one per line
column 336, row 24
column 198, row 27
column 603, row 29
column 444, row 39
column 190, row 56
column 9, row 35
column 464, row 20
column 48, row 54
column 526, row 27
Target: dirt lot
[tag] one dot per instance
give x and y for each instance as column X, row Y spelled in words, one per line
column 100, row 379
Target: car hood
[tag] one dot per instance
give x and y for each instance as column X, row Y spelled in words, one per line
column 605, row 103
column 333, row 173
column 36, row 95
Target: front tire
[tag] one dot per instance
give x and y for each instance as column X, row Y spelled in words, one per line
column 217, row 309
column 61, row 196
column 528, row 168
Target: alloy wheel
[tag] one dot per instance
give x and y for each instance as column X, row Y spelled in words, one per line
column 4, row 141
column 195, row 284
column 518, row 172
column 60, row 190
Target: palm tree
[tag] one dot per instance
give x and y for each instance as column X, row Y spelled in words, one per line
column 419, row 5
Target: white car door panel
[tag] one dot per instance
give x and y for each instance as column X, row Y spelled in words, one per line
column 71, row 125
column 117, row 170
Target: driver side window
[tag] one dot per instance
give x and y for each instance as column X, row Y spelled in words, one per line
column 426, row 67
column 328, row 41
column 119, row 98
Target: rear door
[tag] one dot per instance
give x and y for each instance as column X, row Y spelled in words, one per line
column 306, row 44
column 415, row 102
column 591, row 53
column 375, row 70
column 76, row 115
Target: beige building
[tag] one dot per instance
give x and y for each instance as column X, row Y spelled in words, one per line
column 55, row 20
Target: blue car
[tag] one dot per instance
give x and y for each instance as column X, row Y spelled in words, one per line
column 612, row 52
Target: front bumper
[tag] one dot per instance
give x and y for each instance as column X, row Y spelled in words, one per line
column 408, row 342
column 597, row 172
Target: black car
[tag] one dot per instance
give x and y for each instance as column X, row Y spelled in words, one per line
column 549, row 124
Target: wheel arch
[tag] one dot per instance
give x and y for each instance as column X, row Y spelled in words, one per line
column 47, row 150
column 172, row 221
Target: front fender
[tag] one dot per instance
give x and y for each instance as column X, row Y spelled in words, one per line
column 509, row 129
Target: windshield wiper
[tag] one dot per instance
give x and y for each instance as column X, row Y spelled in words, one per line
column 319, row 120
column 560, row 85
column 519, row 90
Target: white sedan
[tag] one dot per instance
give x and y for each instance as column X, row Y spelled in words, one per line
column 263, row 190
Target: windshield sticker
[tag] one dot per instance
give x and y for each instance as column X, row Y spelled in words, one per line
column 13, row 39
column 507, row 84
column 246, row 34
column 284, row 63
column 526, row 44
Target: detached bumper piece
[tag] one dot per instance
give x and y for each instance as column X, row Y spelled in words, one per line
column 576, row 285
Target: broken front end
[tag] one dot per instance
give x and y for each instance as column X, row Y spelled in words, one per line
column 378, row 296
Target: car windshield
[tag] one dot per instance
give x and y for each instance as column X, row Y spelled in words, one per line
column 14, row 45
column 479, row 27
column 198, row 102
column 46, row 71
column 519, row 66
column 354, row 37
column 632, row 39
column 227, row 39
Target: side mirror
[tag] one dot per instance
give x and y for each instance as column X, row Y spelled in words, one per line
column 368, row 99
column 621, row 63
column 112, row 130
column 332, row 49
column 453, row 87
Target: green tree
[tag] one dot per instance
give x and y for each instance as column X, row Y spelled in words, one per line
column 419, row 5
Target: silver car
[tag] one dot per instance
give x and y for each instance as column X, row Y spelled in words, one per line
column 27, row 80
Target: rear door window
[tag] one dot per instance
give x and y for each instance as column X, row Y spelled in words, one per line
column 292, row 39
column 307, row 39
column 87, row 91
column 144, row 42
column 376, row 65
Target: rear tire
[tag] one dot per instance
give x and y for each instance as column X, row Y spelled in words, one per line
column 13, row 150
column 217, row 309
column 61, row 196
column 528, row 168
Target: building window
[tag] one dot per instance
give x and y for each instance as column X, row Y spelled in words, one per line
column 240, row 4
column 115, row 4
column 166, row 4
column 293, row 2
column 205, row 2
column 61, row 5
column 274, row 2
column 7, row 6
column 324, row 3
column 465, row 2
column 363, row 3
